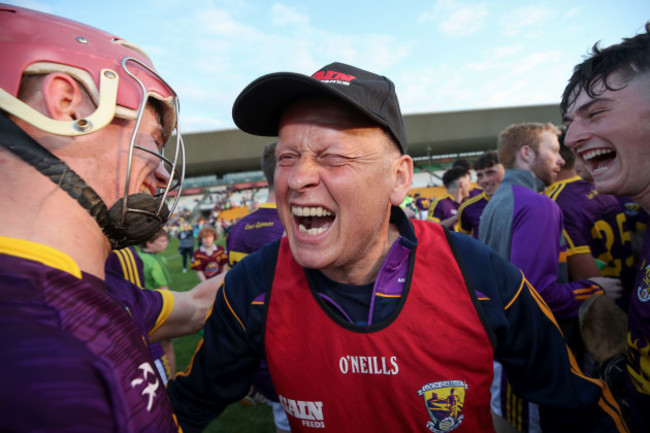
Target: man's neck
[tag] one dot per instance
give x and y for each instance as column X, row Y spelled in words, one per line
column 565, row 174
column 35, row 209
column 365, row 272
column 456, row 194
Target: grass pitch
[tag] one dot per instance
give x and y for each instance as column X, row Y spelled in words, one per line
column 237, row 418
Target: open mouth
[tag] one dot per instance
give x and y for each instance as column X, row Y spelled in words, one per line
column 599, row 159
column 147, row 189
column 312, row 220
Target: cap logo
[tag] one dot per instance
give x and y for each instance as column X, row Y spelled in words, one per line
column 333, row 77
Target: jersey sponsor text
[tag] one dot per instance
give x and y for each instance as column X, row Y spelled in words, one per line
column 368, row 365
column 309, row 412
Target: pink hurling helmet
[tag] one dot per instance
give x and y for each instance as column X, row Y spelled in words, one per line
column 119, row 77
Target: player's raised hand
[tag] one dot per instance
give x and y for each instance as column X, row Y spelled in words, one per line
column 612, row 286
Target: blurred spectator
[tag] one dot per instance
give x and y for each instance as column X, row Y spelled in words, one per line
column 444, row 210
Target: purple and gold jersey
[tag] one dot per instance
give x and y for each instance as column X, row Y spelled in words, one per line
column 469, row 214
column 74, row 358
column 595, row 224
column 474, row 192
column 638, row 345
column 253, row 232
column 126, row 262
column 442, row 208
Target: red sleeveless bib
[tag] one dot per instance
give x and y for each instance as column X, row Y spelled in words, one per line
column 430, row 369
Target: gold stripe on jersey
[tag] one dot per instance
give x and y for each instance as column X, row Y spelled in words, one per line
column 191, row 363
column 129, row 266
column 514, row 298
column 546, row 310
column 223, row 290
column 463, row 205
column 555, row 189
column 433, row 205
column 235, row 257
column 39, row 253
column 571, row 246
column 514, row 410
column 166, row 311
column 384, row 295
column 607, row 401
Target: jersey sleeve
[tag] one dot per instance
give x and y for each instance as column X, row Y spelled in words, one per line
column 197, row 263
column 530, row 346
column 535, row 249
column 223, row 256
column 227, row 359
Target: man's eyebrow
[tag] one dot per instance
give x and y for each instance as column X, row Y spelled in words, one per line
column 585, row 107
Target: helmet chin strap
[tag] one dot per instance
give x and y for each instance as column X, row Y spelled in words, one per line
column 141, row 221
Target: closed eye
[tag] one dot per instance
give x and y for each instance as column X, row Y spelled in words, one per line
column 333, row 160
column 595, row 113
column 286, row 159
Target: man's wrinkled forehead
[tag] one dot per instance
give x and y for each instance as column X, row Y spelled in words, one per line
column 326, row 111
column 333, row 114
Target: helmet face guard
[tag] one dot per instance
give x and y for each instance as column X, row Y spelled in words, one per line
column 118, row 76
column 177, row 174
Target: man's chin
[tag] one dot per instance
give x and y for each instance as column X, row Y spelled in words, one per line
column 307, row 257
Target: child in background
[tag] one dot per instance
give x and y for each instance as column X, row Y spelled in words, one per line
column 209, row 260
column 157, row 277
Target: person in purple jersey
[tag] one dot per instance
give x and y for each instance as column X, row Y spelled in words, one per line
column 258, row 228
column 489, row 172
column 248, row 235
column 606, row 107
column 83, row 120
column 595, row 228
column 364, row 316
column 421, row 203
column 444, row 210
column 525, row 227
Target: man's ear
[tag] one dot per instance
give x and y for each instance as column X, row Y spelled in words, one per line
column 525, row 154
column 403, row 177
column 62, row 97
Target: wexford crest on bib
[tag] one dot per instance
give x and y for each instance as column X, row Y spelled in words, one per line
column 444, row 401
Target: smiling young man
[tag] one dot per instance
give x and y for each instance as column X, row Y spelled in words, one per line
column 363, row 329
column 83, row 120
column 606, row 108
column 489, row 172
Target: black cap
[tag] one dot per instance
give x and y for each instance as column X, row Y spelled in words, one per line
column 258, row 107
